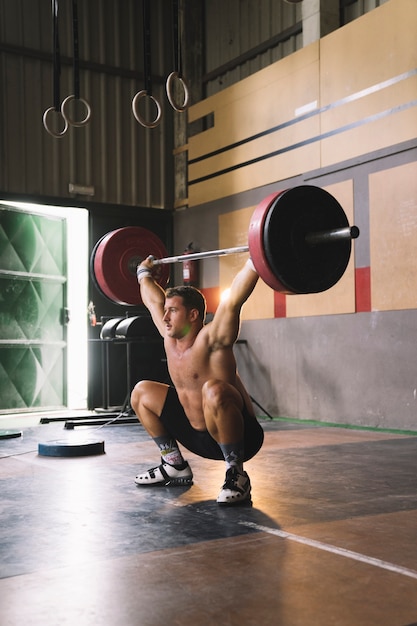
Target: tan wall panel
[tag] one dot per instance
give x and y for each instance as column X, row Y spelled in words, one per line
column 262, row 173
column 266, row 144
column 281, row 70
column 341, row 297
column 403, row 91
column 381, row 47
column 257, row 110
column 256, row 104
column 372, row 49
column 233, row 231
column 376, row 135
column 393, row 228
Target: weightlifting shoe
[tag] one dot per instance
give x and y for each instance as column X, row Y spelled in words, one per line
column 166, row 475
column 236, row 488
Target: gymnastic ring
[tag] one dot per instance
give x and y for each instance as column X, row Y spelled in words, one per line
column 169, row 83
column 142, row 94
column 49, row 130
column 66, row 115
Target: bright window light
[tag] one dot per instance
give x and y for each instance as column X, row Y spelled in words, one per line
column 77, row 295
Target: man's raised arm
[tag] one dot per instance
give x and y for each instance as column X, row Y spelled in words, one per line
column 152, row 294
column 224, row 328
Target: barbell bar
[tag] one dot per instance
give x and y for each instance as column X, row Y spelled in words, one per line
column 319, row 238
column 195, row 256
column 299, row 240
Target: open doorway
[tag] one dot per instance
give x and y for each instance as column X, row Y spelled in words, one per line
column 77, row 264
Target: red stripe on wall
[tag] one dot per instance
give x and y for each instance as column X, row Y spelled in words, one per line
column 280, row 304
column 363, row 289
column 212, row 296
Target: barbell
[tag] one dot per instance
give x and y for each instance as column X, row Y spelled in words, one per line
column 299, row 240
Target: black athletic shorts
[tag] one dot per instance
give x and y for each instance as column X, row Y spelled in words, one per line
column 201, row 442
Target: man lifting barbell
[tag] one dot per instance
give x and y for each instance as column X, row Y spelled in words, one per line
column 300, row 242
column 208, row 410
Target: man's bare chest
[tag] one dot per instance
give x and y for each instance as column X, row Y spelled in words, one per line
column 188, row 368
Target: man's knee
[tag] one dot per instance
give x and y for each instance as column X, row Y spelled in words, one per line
column 218, row 394
column 149, row 396
column 138, row 393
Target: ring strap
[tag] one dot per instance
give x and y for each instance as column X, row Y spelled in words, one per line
column 176, row 75
column 76, row 61
column 147, row 71
column 176, row 39
column 56, row 55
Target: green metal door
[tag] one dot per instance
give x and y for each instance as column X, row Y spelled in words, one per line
column 32, row 311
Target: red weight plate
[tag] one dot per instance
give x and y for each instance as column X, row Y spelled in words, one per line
column 257, row 246
column 116, row 258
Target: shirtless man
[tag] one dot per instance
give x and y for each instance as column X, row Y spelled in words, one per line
column 208, row 410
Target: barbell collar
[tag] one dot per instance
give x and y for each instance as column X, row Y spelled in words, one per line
column 334, row 234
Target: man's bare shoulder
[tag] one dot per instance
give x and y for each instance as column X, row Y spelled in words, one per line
column 216, row 337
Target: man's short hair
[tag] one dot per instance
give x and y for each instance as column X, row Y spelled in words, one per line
column 192, row 298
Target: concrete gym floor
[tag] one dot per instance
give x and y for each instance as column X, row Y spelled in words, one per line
column 331, row 537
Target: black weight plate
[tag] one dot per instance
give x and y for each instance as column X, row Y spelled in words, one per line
column 302, row 267
column 108, row 330
column 10, row 434
column 63, row 448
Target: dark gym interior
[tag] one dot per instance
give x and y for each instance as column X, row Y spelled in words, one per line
column 177, row 124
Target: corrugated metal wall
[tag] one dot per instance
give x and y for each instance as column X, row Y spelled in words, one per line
column 124, row 162
column 235, row 27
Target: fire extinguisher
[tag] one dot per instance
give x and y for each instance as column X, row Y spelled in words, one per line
column 190, row 268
